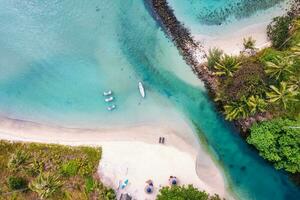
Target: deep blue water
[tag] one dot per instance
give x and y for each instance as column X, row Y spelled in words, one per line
column 57, row 56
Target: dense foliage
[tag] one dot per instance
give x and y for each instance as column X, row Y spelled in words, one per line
column 256, row 87
column 267, row 82
column 278, row 31
column 227, row 65
column 214, row 57
column 243, row 94
column 40, row 171
column 17, row 183
column 278, row 141
column 184, row 193
column 247, row 81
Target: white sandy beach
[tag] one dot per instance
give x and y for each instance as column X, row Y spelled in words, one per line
column 233, row 43
column 229, row 36
column 132, row 153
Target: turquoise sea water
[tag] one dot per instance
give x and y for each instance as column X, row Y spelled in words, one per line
column 216, row 12
column 56, row 58
column 217, row 18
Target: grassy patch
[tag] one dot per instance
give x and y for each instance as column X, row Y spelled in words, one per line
column 35, row 171
column 70, row 168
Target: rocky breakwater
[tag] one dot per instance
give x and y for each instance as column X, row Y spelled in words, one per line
column 191, row 50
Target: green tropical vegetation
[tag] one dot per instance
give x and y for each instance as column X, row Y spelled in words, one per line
column 214, row 57
column 45, row 185
column 265, row 84
column 43, row 171
column 278, row 141
column 278, row 31
column 236, row 110
column 296, row 50
column 279, row 67
column 184, row 193
column 227, row 65
column 249, row 43
column 282, row 95
column 17, row 183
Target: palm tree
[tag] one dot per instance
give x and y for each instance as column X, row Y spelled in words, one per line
column 214, row 56
column 249, row 43
column 279, row 67
column 236, row 110
column 227, row 65
column 296, row 50
column 294, row 82
column 282, row 95
column 256, row 104
column 19, row 160
column 45, row 185
column 295, row 26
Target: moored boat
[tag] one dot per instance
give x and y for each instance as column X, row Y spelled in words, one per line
column 142, row 90
column 107, row 93
column 112, row 107
column 109, row 99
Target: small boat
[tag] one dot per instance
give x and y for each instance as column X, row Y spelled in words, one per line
column 112, row 107
column 109, row 99
column 107, row 93
column 142, row 90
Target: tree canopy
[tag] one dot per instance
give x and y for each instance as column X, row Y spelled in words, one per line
column 184, row 193
column 247, row 81
column 278, row 141
column 278, row 31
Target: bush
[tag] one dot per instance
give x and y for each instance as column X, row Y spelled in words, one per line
column 99, row 190
column 70, row 168
column 278, row 141
column 278, row 31
column 110, row 194
column 35, row 167
column 294, row 32
column 183, row 193
column 45, row 185
column 227, row 65
column 18, row 161
column 270, row 55
column 214, row 56
column 247, row 81
column 42, row 164
column 16, row 183
column 89, row 184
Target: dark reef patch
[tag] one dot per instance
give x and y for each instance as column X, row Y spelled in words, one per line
column 239, row 10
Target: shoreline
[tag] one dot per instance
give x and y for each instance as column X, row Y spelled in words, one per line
column 232, row 44
column 147, row 159
column 191, row 50
column 194, row 52
column 229, row 35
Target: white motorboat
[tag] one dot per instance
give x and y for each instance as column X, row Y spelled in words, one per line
column 142, row 90
column 109, row 99
column 112, row 107
column 107, row 93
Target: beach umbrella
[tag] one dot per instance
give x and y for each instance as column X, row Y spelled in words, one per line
column 173, row 181
column 149, row 189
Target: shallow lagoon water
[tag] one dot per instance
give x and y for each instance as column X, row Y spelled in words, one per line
column 57, row 57
column 222, row 17
column 217, row 12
